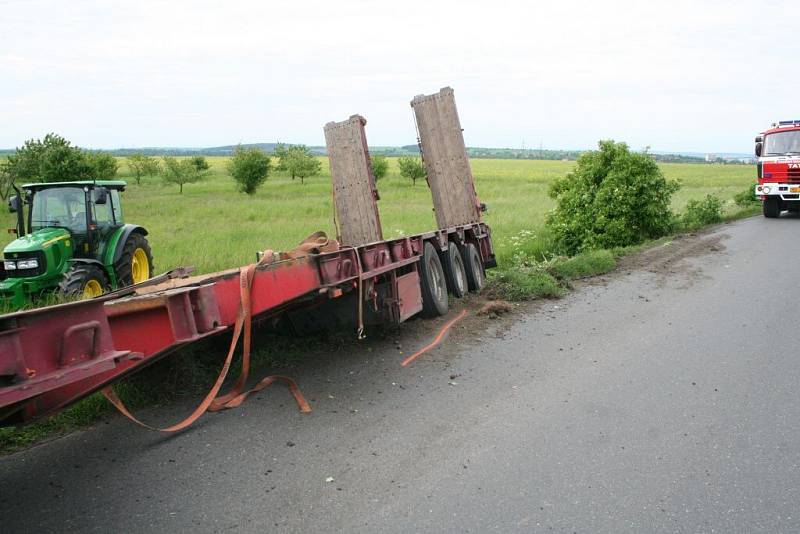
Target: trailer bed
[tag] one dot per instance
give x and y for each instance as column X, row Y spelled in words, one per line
column 53, row 356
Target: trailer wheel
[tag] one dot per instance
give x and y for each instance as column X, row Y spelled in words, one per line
column 772, row 207
column 473, row 265
column 433, row 284
column 454, row 271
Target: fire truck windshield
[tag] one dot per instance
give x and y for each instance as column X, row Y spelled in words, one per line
column 780, row 143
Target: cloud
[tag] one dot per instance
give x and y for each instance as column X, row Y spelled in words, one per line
column 677, row 75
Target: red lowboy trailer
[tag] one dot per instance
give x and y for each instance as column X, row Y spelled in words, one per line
column 53, row 356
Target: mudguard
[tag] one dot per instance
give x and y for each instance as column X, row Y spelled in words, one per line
column 115, row 245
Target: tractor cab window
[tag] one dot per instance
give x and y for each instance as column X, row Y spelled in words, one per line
column 116, row 206
column 103, row 215
column 779, row 143
column 59, row 207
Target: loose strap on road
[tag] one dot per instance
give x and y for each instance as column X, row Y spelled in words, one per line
column 436, row 340
column 235, row 397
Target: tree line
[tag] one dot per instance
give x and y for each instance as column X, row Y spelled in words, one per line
column 55, row 159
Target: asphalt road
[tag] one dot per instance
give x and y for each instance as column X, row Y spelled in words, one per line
column 660, row 398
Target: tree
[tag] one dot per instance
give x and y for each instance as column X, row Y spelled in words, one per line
column 249, row 167
column 298, row 162
column 52, row 159
column 613, row 198
column 280, row 152
column 411, row 167
column 141, row 165
column 104, row 164
column 380, row 166
column 200, row 163
column 180, row 171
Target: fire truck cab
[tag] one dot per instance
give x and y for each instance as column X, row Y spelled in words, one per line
column 778, row 153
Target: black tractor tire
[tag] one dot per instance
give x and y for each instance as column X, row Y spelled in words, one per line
column 123, row 266
column 454, row 272
column 772, row 207
column 74, row 283
column 473, row 265
column 432, row 283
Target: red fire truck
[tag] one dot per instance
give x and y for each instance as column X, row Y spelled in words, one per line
column 778, row 152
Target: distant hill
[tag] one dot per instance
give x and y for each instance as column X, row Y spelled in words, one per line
column 226, row 150
column 413, row 150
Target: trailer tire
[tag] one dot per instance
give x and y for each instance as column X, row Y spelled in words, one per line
column 473, row 265
column 772, row 207
column 432, row 283
column 454, row 271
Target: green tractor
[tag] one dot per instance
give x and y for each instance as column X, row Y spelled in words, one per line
column 76, row 243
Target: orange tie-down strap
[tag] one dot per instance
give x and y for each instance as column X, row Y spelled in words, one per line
column 236, row 396
column 436, row 340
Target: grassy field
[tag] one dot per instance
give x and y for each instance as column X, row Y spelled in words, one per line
column 212, row 227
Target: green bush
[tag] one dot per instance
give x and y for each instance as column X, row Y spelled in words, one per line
column 746, row 197
column 104, row 164
column 200, row 163
column 249, row 167
column 380, row 166
column 702, row 212
column 585, row 264
column 524, row 284
column 614, row 197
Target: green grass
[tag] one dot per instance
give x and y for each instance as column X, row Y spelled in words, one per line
column 583, row 265
column 213, row 227
column 524, row 284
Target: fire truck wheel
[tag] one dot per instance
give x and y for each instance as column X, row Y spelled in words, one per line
column 454, row 271
column 432, row 283
column 473, row 265
column 772, row 207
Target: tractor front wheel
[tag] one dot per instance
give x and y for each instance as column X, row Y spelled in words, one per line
column 84, row 281
column 135, row 265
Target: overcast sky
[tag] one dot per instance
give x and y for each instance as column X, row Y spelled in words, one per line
column 693, row 76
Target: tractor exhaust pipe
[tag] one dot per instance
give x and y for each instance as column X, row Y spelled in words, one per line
column 20, row 212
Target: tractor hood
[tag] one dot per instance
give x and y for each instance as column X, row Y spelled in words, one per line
column 38, row 240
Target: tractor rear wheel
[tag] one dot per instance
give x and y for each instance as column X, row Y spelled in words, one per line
column 84, row 281
column 135, row 265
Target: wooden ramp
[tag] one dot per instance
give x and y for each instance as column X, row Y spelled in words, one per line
column 445, row 156
column 354, row 193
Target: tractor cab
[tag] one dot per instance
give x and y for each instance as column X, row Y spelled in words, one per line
column 88, row 212
column 74, row 239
